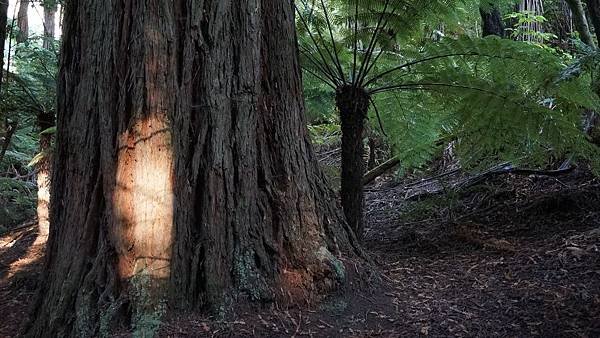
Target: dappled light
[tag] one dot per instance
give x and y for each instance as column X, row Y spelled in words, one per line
column 143, row 199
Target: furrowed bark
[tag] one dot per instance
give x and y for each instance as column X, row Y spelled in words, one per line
column 182, row 166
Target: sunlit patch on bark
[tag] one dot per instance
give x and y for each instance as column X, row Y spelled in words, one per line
column 143, row 199
column 43, row 204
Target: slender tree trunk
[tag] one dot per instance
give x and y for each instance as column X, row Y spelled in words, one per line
column 535, row 7
column 23, row 21
column 44, row 169
column 581, row 22
column 562, row 25
column 3, row 22
column 593, row 7
column 45, row 120
column 49, row 25
column 491, row 19
column 183, row 166
column 353, row 106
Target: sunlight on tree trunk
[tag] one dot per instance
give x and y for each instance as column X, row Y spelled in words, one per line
column 143, row 199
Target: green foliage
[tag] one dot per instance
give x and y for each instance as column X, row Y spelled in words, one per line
column 523, row 23
column 29, row 90
column 17, row 201
column 501, row 100
column 498, row 99
column 324, row 134
column 319, row 100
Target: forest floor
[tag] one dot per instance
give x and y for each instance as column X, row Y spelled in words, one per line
column 514, row 256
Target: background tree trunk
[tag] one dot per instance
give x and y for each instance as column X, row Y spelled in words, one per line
column 46, row 120
column 49, row 24
column 535, row 7
column 491, row 19
column 182, row 157
column 23, row 21
column 3, row 22
column 581, row 22
column 593, row 7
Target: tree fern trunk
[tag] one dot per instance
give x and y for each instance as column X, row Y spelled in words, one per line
column 353, row 106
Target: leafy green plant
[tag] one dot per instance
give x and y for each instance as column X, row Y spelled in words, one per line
column 498, row 99
column 522, row 27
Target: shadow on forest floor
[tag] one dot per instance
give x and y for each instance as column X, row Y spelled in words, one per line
column 514, row 257
column 20, row 262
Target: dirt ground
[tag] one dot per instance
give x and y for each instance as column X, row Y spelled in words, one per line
column 515, row 256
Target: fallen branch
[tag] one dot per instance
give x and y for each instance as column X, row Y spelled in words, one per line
column 501, row 169
column 380, row 170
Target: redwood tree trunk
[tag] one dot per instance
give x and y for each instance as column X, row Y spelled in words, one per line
column 491, row 20
column 23, row 21
column 353, row 106
column 182, row 158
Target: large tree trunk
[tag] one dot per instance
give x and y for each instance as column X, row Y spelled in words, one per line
column 491, row 19
column 182, row 165
column 23, row 21
column 581, row 22
column 353, row 106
